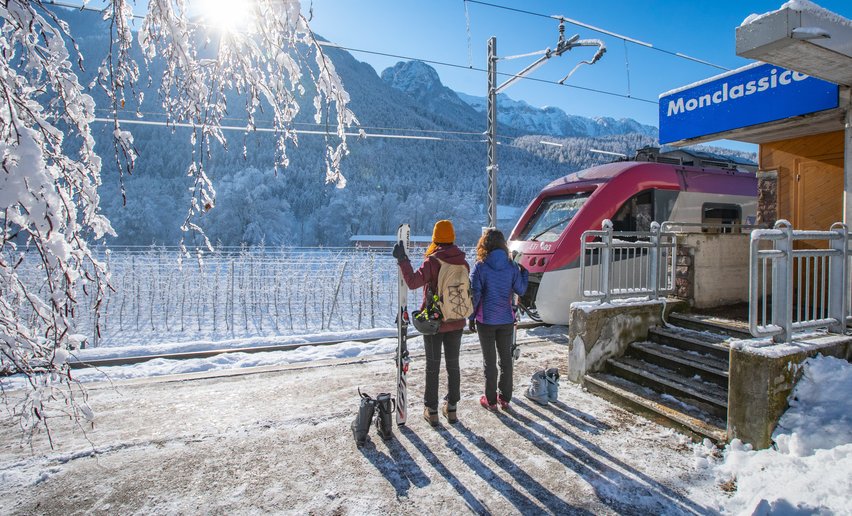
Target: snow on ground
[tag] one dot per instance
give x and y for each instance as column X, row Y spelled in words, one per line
column 809, row 471
column 277, row 439
column 259, row 432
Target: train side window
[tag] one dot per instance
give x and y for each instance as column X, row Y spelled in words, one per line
column 636, row 214
column 715, row 213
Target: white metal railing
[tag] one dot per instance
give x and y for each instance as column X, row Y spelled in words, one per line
column 794, row 289
column 671, row 226
column 622, row 264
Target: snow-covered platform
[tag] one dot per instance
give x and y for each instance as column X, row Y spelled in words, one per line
column 277, row 439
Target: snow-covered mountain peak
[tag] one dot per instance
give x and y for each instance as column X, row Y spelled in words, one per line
column 412, row 76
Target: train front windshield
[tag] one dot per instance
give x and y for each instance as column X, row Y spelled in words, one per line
column 553, row 216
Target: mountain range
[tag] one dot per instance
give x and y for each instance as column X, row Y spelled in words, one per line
column 422, row 83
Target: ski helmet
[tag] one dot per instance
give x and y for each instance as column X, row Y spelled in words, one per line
column 425, row 324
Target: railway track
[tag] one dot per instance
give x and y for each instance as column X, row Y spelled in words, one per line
column 109, row 362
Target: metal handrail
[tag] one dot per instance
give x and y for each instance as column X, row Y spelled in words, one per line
column 641, row 267
column 821, row 278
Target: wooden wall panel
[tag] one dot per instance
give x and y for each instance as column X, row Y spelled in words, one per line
column 815, row 201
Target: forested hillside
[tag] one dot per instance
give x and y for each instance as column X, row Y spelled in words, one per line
column 389, row 180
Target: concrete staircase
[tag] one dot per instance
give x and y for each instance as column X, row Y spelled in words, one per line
column 679, row 377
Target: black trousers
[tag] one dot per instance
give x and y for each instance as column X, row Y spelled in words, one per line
column 496, row 343
column 451, row 344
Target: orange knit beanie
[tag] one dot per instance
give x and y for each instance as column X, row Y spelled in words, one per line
column 443, row 232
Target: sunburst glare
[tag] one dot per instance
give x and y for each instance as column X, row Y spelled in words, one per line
column 227, row 15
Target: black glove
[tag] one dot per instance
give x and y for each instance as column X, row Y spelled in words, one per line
column 472, row 325
column 399, row 252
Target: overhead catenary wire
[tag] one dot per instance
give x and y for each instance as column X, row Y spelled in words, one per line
column 246, row 129
column 321, row 133
column 314, row 124
column 409, row 58
column 362, row 133
column 600, row 30
column 476, row 69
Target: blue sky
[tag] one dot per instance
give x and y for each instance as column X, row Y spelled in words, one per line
column 438, row 30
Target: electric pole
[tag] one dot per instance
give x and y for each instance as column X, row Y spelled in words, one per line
column 562, row 46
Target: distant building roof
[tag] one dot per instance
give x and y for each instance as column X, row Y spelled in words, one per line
column 387, row 238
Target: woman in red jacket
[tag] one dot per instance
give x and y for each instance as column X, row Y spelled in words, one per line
column 449, row 334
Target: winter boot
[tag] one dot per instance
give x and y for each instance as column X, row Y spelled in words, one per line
column 552, row 376
column 537, row 391
column 384, row 415
column 361, row 425
column 449, row 412
column 431, row 416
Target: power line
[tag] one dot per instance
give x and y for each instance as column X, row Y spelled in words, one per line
column 297, row 131
column 322, row 133
column 314, row 124
column 476, row 69
column 602, row 31
column 409, row 58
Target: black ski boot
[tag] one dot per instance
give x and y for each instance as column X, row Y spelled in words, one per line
column 384, row 415
column 361, row 425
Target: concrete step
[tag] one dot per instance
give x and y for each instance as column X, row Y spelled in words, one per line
column 687, row 363
column 706, row 396
column 708, row 323
column 658, row 407
column 691, row 340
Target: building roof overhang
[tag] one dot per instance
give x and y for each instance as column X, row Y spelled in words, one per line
column 800, row 36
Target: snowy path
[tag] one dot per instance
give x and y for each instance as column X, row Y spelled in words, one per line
column 277, row 439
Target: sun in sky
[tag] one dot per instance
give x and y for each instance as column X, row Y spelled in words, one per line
column 229, row 15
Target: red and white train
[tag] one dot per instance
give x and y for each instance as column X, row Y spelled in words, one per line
column 632, row 194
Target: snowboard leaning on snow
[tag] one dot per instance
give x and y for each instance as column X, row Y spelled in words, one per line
column 402, row 235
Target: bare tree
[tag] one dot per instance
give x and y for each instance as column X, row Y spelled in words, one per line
column 50, row 175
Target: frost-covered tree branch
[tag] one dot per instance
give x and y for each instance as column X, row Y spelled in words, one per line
column 49, row 204
column 265, row 63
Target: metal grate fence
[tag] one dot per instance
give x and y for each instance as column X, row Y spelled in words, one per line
column 244, row 291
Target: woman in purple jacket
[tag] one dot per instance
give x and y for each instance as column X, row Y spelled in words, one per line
column 493, row 281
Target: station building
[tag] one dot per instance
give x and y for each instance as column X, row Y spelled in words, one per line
column 794, row 102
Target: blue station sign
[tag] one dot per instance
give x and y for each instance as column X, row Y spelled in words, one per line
column 751, row 95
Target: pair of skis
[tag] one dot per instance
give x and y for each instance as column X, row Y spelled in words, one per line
column 403, row 234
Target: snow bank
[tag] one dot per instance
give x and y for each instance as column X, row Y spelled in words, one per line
column 801, row 5
column 589, row 306
column 809, row 469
